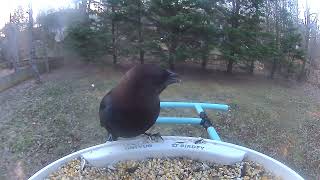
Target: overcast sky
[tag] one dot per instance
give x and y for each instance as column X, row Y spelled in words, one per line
column 7, row 6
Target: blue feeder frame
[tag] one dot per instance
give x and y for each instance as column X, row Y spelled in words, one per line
column 202, row 120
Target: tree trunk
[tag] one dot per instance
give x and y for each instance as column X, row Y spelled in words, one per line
column 205, row 55
column 275, row 60
column 306, row 47
column 32, row 48
column 46, row 60
column 172, row 54
column 251, row 70
column 204, row 62
column 313, row 50
column 141, row 50
column 268, row 13
column 45, row 44
column 234, row 24
column 255, row 17
column 230, row 66
column 83, row 6
column 274, row 68
column 290, row 67
column 13, row 46
column 141, row 56
column 114, row 48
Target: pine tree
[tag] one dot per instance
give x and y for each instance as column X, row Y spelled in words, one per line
column 133, row 15
column 176, row 22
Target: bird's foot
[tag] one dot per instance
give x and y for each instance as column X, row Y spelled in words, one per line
column 83, row 164
column 111, row 138
column 154, row 137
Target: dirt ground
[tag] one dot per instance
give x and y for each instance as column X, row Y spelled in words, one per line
column 41, row 123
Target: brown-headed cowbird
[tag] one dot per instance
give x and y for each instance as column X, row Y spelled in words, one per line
column 133, row 106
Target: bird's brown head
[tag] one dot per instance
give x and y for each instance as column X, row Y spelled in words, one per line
column 151, row 78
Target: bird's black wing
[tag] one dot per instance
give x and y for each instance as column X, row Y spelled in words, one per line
column 105, row 110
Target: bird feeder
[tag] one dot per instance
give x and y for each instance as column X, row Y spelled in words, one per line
column 213, row 149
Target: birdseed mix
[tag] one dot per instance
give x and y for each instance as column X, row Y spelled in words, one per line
column 167, row 168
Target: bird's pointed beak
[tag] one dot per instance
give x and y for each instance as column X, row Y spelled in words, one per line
column 173, row 78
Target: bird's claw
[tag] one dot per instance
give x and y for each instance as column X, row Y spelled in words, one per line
column 111, row 138
column 154, row 137
column 83, row 164
column 199, row 141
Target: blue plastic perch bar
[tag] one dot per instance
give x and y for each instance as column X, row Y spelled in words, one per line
column 186, row 120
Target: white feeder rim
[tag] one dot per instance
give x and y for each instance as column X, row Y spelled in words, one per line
column 172, row 146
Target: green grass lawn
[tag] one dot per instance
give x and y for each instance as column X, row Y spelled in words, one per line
column 41, row 123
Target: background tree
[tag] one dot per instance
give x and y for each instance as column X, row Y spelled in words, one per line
column 309, row 20
column 133, row 16
column 12, row 44
column 243, row 31
column 111, row 16
column 90, row 43
column 32, row 47
column 19, row 18
column 175, row 21
column 206, row 31
column 244, row 36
